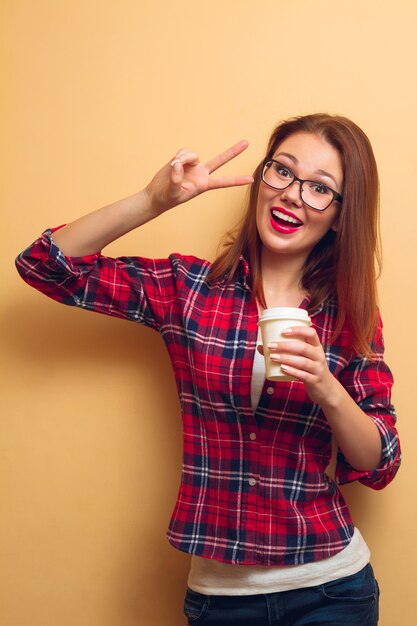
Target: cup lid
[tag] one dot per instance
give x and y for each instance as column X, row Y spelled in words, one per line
column 285, row 312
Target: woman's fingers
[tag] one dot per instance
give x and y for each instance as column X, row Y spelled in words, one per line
column 177, row 172
column 297, row 340
column 300, row 363
column 305, row 353
column 224, row 157
column 185, row 162
column 186, row 156
column 229, row 181
column 184, row 177
column 304, row 333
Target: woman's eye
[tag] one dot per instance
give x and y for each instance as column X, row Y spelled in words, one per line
column 283, row 171
column 319, row 189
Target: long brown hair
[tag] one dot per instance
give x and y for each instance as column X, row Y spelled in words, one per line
column 343, row 266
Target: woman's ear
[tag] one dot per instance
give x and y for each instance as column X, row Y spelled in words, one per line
column 335, row 225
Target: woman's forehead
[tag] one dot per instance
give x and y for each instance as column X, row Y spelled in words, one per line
column 312, row 154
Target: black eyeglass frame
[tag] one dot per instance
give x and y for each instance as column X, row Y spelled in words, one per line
column 336, row 195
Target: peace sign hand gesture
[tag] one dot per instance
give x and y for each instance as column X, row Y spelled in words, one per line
column 184, row 178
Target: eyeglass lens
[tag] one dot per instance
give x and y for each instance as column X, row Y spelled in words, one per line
column 315, row 194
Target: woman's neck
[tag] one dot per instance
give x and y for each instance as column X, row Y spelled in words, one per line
column 281, row 278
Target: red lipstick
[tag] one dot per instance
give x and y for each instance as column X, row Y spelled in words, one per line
column 280, row 222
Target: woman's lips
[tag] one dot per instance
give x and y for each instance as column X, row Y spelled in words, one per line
column 284, row 221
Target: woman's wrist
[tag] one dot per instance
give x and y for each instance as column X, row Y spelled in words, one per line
column 137, row 209
column 333, row 395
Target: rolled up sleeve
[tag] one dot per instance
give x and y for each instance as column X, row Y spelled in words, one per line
column 133, row 288
column 369, row 382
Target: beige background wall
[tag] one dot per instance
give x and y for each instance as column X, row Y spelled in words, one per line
column 97, row 96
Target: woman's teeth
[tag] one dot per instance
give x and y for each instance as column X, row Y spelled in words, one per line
column 286, row 218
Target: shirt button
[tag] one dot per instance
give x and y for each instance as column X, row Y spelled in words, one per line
column 270, row 390
column 252, row 436
column 252, row 482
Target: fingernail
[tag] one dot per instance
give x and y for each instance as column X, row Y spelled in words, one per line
column 275, row 357
column 175, row 163
column 272, row 346
column 287, row 331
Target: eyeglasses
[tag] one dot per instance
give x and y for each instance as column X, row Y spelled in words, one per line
column 314, row 194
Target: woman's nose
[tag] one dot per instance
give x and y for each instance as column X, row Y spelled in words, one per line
column 292, row 193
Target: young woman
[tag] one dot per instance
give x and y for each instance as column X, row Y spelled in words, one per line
column 270, row 533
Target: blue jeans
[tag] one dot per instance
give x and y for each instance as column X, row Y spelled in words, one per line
column 349, row 601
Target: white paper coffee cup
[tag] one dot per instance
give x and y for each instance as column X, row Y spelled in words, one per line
column 272, row 323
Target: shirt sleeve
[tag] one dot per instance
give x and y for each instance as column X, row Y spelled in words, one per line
column 133, row 288
column 369, row 382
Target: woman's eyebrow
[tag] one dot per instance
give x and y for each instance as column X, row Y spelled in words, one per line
column 287, row 154
column 295, row 160
column 324, row 173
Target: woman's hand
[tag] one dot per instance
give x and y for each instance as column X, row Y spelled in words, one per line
column 305, row 360
column 178, row 181
column 184, row 177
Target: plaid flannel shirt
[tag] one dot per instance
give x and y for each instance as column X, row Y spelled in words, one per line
column 254, row 489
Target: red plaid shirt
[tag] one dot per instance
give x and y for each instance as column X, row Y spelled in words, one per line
column 253, row 488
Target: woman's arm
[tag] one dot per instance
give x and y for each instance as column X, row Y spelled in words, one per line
column 66, row 264
column 363, row 429
column 178, row 181
column 354, row 431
